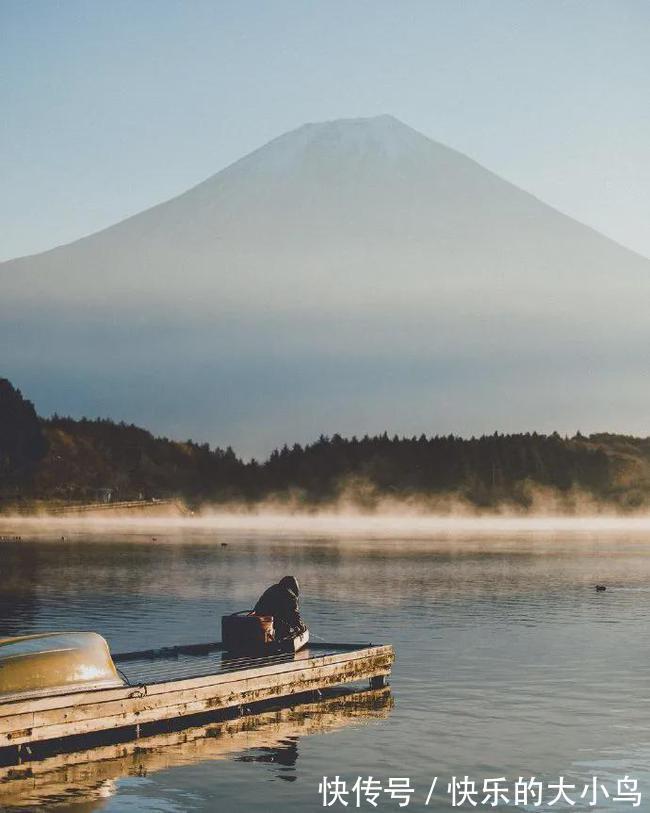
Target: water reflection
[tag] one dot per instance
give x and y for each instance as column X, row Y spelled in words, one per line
column 21, row 573
column 88, row 778
column 285, row 756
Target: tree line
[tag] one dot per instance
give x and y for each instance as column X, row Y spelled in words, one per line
column 69, row 460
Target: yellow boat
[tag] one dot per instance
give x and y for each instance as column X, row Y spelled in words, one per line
column 38, row 665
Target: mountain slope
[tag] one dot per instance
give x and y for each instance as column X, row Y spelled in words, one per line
column 324, row 200
column 358, row 253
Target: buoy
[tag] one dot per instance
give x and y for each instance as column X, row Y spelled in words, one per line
column 600, row 588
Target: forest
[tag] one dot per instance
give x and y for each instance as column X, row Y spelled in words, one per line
column 61, row 460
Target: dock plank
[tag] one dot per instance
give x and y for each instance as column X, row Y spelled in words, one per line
column 16, row 707
column 105, row 709
column 79, row 774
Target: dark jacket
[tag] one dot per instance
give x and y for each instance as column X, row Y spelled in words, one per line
column 281, row 601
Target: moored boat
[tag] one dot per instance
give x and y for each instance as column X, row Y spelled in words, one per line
column 37, row 665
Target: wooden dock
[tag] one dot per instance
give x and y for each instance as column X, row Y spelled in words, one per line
column 88, row 775
column 183, row 682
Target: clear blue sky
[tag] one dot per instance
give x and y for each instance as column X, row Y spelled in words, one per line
column 111, row 107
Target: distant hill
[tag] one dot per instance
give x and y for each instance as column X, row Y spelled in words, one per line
column 347, row 276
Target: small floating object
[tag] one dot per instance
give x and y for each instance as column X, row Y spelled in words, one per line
column 224, row 544
column 600, row 588
column 154, row 538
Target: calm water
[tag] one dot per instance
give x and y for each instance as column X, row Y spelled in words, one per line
column 508, row 661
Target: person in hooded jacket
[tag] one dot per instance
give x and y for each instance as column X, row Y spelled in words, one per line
column 281, row 601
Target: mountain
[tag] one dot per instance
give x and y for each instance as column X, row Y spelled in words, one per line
column 351, row 275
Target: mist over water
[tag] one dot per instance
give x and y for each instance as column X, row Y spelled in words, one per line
column 459, row 521
column 508, row 662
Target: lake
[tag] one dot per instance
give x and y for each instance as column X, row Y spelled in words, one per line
column 509, row 663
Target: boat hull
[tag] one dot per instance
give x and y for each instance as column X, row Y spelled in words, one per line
column 37, row 665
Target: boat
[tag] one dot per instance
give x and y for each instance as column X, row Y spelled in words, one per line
column 55, row 687
column 36, row 665
column 246, row 632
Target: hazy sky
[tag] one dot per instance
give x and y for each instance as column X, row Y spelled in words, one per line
column 109, row 108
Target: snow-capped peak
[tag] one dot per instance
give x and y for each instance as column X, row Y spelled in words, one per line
column 381, row 136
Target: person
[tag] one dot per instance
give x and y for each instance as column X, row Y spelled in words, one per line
column 281, row 601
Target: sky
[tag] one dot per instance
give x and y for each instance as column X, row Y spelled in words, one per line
column 110, row 108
